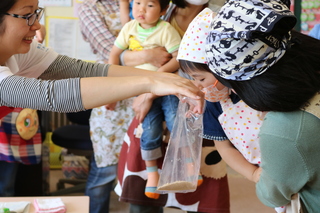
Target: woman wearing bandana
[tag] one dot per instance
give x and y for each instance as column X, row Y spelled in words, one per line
column 252, row 49
column 225, row 112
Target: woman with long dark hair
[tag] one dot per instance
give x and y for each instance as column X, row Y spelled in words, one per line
column 252, row 49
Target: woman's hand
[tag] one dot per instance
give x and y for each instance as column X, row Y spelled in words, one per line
column 168, row 83
column 194, row 106
column 157, row 56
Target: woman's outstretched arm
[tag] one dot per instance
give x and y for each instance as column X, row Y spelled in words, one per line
column 117, row 87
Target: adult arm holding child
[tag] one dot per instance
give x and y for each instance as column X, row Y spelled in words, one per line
column 157, row 56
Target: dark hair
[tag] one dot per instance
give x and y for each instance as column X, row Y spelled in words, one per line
column 5, row 5
column 180, row 3
column 187, row 66
column 289, row 83
column 164, row 4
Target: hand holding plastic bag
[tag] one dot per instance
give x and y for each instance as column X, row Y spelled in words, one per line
column 181, row 164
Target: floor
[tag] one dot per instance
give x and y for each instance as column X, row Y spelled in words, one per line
column 243, row 198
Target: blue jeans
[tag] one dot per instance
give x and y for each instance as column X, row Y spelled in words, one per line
column 99, row 186
column 163, row 109
column 7, row 178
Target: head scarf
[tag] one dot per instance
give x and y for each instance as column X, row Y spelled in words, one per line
column 247, row 37
column 192, row 46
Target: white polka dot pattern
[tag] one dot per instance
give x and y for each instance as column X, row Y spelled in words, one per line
column 192, row 46
column 241, row 124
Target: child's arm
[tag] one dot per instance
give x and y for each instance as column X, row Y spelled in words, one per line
column 236, row 160
column 114, row 57
column 172, row 65
column 124, row 11
column 41, row 34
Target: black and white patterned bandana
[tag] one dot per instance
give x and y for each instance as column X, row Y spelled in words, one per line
column 247, row 37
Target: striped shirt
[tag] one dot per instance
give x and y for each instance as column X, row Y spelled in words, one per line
column 52, row 82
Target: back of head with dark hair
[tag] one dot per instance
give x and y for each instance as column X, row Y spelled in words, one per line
column 164, row 4
column 289, row 83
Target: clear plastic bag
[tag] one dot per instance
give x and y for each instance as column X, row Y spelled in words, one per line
column 181, row 165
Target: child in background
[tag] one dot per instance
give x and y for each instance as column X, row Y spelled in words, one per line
column 125, row 11
column 240, row 122
column 147, row 30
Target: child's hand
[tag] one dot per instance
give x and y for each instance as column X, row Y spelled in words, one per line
column 111, row 106
column 195, row 106
column 141, row 106
column 256, row 174
column 41, row 34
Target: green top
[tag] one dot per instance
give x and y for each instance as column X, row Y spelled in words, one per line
column 290, row 157
column 4, row 210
